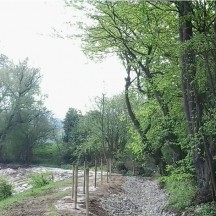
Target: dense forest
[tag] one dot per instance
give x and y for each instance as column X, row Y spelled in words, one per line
column 164, row 121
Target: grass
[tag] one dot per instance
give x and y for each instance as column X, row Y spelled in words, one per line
column 4, row 204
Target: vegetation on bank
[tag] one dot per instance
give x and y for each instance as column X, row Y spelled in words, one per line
column 34, row 192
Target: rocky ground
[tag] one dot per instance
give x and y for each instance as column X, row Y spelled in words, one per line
column 139, row 196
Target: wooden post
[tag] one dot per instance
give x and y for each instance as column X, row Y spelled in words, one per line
column 107, row 174
column 101, row 171
column 76, row 186
column 95, row 173
column 73, row 181
column 133, row 168
column 110, row 169
column 87, row 192
column 84, row 180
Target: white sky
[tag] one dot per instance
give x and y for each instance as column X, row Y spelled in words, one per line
column 69, row 79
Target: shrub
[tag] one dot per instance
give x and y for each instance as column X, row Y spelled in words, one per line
column 121, row 168
column 181, row 188
column 5, row 189
column 129, row 173
column 207, row 209
column 40, row 180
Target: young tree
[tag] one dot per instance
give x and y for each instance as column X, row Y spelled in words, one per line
column 105, row 128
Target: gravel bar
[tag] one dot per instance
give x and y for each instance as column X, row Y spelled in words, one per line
column 141, row 197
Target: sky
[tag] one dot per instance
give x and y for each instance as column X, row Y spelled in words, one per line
column 69, row 78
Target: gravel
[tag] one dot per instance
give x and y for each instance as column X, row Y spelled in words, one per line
column 141, row 197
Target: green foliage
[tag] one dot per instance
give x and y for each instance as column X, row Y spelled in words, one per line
column 129, row 173
column 40, row 180
column 22, row 197
column 24, row 120
column 182, row 189
column 180, row 183
column 5, row 189
column 209, row 127
column 207, row 209
column 49, row 153
column 101, row 131
column 120, row 167
column 70, row 126
column 182, row 167
column 66, row 166
column 168, row 51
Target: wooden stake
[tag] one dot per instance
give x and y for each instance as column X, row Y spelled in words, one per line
column 87, row 192
column 110, row 169
column 84, row 181
column 101, row 171
column 95, row 173
column 133, row 168
column 107, row 171
column 76, row 186
column 73, row 181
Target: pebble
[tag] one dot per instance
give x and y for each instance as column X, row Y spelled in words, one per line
column 141, row 197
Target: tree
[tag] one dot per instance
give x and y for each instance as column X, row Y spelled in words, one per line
column 21, row 109
column 117, row 29
column 105, row 128
column 168, row 50
column 70, row 124
column 36, row 128
column 195, row 104
column 72, row 136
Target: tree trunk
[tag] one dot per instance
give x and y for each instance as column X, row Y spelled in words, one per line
column 192, row 106
column 132, row 115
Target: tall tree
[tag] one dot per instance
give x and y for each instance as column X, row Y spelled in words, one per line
column 194, row 102
column 70, row 125
column 168, row 50
column 24, row 121
column 105, row 127
column 117, row 29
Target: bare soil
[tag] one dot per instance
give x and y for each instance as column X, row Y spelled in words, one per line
column 113, row 187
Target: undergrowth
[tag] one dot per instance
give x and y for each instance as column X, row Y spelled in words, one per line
column 5, row 189
column 40, row 180
column 207, row 209
column 181, row 188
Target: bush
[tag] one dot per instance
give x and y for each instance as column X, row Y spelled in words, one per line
column 40, row 180
column 129, row 173
column 5, row 189
column 121, row 168
column 181, row 188
column 207, row 209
